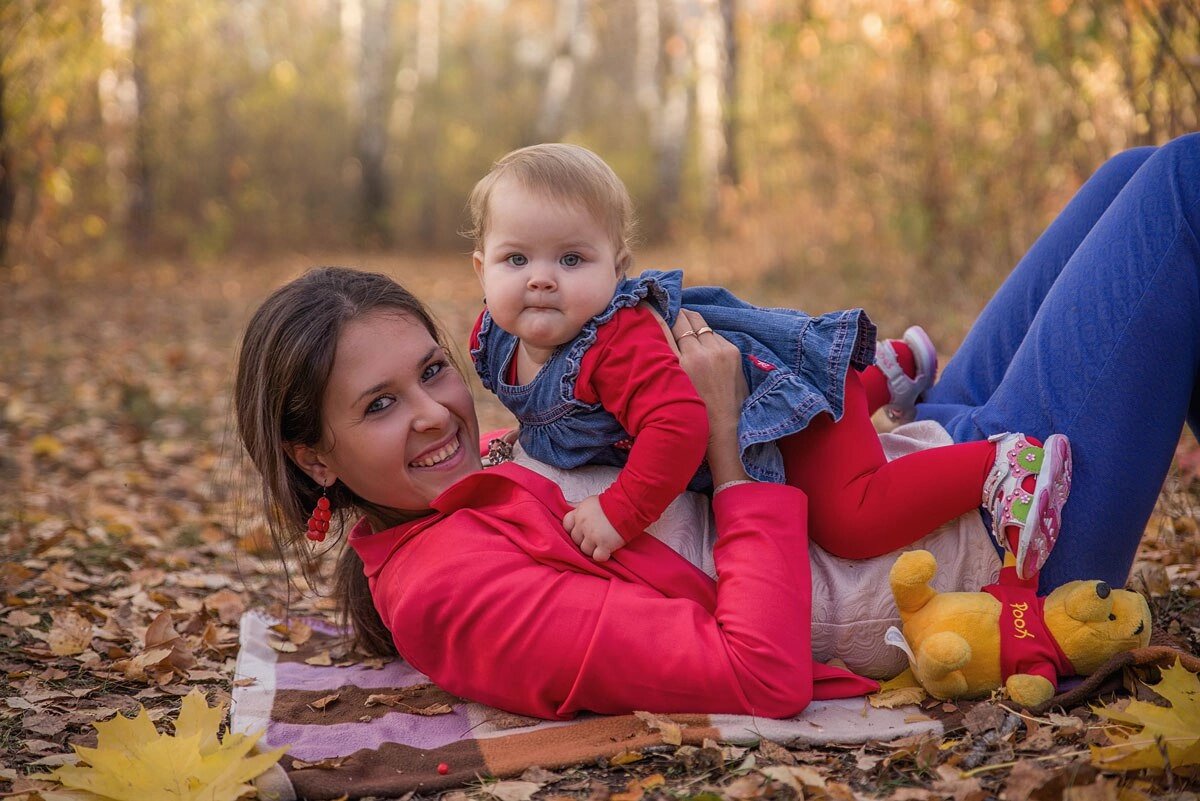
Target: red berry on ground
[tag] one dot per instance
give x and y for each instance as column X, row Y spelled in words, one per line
column 443, row 768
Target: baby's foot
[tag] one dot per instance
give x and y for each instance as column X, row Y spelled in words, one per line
column 910, row 366
column 1025, row 493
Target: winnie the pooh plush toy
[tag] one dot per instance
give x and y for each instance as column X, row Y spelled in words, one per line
column 966, row 644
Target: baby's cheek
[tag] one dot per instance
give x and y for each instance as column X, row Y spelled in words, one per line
column 503, row 315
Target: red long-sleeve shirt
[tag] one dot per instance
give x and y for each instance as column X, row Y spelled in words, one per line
column 491, row 599
column 632, row 371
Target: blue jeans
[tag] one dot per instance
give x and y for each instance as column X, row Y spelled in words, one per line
column 1096, row 335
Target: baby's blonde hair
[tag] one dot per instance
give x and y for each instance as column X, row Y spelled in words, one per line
column 568, row 174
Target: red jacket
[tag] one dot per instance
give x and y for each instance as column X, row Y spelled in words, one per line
column 491, row 599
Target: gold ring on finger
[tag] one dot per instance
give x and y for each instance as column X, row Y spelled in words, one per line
column 686, row 334
column 704, row 330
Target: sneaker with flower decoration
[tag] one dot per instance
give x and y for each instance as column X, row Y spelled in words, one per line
column 1025, row 493
column 906, row 390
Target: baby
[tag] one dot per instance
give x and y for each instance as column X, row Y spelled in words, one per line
column 581, row 354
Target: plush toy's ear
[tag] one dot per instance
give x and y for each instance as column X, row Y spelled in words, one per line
column 1089, row 601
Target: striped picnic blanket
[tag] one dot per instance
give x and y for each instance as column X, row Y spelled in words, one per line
column 364, row 730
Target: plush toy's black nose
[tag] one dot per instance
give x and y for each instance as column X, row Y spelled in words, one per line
column 1102, row 589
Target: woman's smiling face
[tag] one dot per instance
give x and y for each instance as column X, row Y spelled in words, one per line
column 399, row 420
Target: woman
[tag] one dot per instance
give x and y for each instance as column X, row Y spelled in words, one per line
column 344, row 390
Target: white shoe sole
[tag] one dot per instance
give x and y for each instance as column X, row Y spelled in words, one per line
column 1043, row 522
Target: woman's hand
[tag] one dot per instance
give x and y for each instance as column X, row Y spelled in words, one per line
column 715, row 367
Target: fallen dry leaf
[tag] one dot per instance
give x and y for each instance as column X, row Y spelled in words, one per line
column 512, row 790
column 776, row 752
column 133, row 762
column 1101, row 789
column 70, row 633
column 636, row 788
column 383, row 699
column 899, row 691
column 22, row 618
column 625, row 757
column 951, row 783
column 331, row 763
column 324, row 701
column 227, row 604
column 1169, row 735
column 798, row 777
column 297, row 631
column 1025, row 779
column 322, row 659
column 743, row 787
column 671, row 733
column 438, row 708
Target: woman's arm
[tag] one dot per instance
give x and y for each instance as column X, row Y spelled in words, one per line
column 714, row 366
column 541, row 630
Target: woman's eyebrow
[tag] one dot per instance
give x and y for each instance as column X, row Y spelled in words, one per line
column 382, row 385
column 378, row 387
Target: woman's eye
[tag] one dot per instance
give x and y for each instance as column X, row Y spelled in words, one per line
column 432, row 370
column 517, row 260
column 571, row 260
column 380, row 403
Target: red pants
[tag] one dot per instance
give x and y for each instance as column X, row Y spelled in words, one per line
column 861, row 505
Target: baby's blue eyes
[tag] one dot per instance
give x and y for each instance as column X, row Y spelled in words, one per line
column 569, row 260
column 432, row 370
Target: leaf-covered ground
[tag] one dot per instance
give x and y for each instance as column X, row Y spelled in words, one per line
column 131, row 542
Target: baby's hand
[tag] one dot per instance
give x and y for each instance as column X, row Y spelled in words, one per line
column 589, row 528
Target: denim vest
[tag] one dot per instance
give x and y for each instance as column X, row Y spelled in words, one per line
column 795, row 367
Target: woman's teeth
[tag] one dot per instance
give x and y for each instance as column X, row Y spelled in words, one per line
column 437, row 457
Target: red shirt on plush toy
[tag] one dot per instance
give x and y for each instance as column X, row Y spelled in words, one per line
column 1026, row 645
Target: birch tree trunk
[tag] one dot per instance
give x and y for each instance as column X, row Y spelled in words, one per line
column 410, row 78
column 645, row 65
column 572, row 45
column 141, row 196
column 121, row 87
column 729, row 165
column 8, row 189
column 376, row 77
column 710, row 125
column 429, row 40
column 672, row 132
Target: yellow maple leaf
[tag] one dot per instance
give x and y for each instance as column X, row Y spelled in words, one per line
column 133, row 762
column 899, row 691
column 1170, row 735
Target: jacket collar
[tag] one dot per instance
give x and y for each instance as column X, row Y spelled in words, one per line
column 375, row 548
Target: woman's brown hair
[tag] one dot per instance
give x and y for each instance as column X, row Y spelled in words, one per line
column 285, row 361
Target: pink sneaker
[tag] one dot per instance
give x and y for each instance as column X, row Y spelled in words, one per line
column 906, row 391
column 1038, row 514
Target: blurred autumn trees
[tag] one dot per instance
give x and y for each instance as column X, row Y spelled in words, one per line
column 943, row 133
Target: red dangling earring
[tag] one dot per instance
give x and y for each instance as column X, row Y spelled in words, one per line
column 318, row 522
